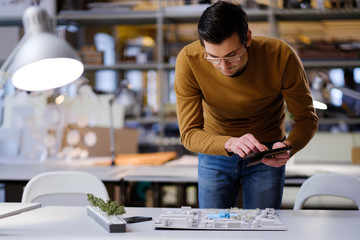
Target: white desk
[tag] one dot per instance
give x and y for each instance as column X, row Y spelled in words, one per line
column 24, row 170
column 9, row 209
column 16, row 173
column 296, row 174
column 163, row 173
column 183, row 175
column 308, row 169
column 173, row 172
column 73, row 223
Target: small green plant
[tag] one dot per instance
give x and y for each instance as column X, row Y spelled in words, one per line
column 110, row 207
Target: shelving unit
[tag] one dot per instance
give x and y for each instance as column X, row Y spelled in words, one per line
column 86, row 18
column 190, row 14
column 10, row 21
column 331, row 63
column 316, row 14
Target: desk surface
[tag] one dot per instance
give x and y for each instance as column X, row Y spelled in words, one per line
column 25, row 170
column 22, row 172
column 73, row 223
column 9, row 209
column 174, row 171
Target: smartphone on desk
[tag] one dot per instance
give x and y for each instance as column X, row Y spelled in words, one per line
column 136, row 219
column 254, row 158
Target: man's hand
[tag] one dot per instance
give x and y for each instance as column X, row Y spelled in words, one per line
column 277, row 160
column 244, row 145
column 247, row 144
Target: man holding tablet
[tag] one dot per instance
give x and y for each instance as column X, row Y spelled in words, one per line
column 231, row 92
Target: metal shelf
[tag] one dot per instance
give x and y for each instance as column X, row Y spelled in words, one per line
column 123, row 66
column 10, row 21
column 316, row 14
column 336, row 63
column 88, row 18
column 130, row 66
column 181, row 15
column 191, row 14
column 339, row 120
column 152, row 120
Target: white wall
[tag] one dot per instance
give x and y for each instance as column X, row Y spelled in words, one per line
column 10, row 36
column 326, row 147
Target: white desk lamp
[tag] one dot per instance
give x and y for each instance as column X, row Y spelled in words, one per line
column 345, row 91
column 318, row 97
column 40, row 61
column 349, row 92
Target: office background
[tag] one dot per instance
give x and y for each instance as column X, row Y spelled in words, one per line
column 129, row 50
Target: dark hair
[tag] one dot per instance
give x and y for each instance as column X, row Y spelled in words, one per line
column 220, row 21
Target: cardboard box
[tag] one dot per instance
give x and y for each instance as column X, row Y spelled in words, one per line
column 126, row 140
column 355, row 155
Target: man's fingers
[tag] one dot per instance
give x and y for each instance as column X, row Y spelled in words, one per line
column 242, row 150
column 244, row 145
column 277, row 160
column 256, row 145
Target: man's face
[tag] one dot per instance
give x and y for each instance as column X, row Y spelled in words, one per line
column 232, row 54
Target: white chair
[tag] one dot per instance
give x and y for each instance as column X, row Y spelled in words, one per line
column 63, row 188
column 329, row 184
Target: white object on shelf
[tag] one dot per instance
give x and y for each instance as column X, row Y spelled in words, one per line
column 185, row 10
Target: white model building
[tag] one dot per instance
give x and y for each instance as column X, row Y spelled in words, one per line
column 231, row 219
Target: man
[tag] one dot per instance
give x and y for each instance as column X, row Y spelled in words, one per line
column 231, row 91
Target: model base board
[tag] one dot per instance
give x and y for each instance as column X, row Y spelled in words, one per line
column 219, row 219
column 111, row 223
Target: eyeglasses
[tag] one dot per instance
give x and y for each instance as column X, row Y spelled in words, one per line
column 217, row 61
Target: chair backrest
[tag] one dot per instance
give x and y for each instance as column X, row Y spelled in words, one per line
column 330, row 184
column 63, row 183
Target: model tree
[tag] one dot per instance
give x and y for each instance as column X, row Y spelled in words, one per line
column 110, row 207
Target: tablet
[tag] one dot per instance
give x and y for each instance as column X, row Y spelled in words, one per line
column 254, row 158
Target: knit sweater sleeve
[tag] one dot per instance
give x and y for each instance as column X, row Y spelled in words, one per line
column 190, row 112
column 299, row 103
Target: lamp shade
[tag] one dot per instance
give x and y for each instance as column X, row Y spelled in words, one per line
column 45, row 61
column 41, row 60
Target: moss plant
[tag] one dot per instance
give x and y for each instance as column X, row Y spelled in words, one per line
column 110, row 207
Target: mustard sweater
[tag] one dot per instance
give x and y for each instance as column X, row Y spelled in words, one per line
column 212, row 107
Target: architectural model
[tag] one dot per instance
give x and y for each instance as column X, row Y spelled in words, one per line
column 107, row 213
column 219, row 219
column 113, row 223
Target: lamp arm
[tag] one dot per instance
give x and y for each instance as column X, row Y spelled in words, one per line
column 346, row 91
column 350, row 93
column 4, row 70
column 112, row 133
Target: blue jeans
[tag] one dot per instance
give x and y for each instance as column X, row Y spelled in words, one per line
column 220, row 179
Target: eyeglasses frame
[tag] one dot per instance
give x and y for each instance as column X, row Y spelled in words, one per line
column 226, row 59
